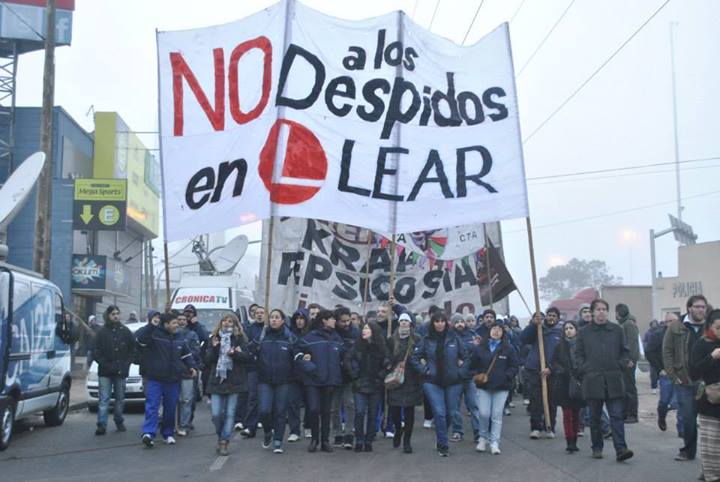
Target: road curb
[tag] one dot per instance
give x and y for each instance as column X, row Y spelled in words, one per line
column 74, row 407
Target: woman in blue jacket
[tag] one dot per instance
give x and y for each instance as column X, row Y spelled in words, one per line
column 226, row 359
column 439, row 357
column 366, row 364
column 498, row 359
column 319, row 355
column 274, row 350
column 298, row 327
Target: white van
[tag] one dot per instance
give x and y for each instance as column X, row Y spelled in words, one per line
column 211, row 296
column 34, row 353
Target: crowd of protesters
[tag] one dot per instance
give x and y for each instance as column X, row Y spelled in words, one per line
column 338, row 378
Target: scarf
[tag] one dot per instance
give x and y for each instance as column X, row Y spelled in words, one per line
column 224, row 362
column 403, row 332
column 493, row 344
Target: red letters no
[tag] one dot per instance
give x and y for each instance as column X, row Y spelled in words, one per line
column 263, row 44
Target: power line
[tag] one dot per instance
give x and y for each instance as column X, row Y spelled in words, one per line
column 512, row 18
column 433, row 15
column 542, row 42
column 473, row 22
column 614, row 213
column 587, row 81
column 626, row 168
column 630, row 174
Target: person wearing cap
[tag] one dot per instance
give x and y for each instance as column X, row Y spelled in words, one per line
column 440, row 358
column 403, row 399
column 469, row 339
column 195, row 325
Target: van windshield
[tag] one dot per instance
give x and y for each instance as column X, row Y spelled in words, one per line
column 210, row 318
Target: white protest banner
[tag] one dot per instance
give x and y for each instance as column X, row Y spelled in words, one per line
column 376, row 123
column 331, row 263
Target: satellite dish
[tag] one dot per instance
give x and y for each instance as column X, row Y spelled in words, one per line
column 231, row 254
column 14, row 192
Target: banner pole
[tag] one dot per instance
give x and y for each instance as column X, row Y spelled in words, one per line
column 268, row 265
column 367, row 274
column 541, row 341
column 167, row 277
column 488, row 272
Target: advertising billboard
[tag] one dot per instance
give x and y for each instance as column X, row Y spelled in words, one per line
column 25, row 20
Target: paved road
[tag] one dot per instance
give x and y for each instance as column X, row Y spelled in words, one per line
column 73, row 453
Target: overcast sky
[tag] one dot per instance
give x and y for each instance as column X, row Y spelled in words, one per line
column 622, row 117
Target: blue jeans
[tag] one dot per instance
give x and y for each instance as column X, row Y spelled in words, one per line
column 106, row 386
column 295, row 403
column 273, row 408
column 343, row 404
column 365, row 410
column 470, row 393
column 444, row 401
column 222, row 408
column 156, row 393
column 615, row 408
column 490, row 406
column 585, row 419
column 687, row 409
column 668, row 399
column 187, row 402
column 251, row 414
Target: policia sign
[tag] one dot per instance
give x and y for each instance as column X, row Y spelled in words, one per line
column 100, row 204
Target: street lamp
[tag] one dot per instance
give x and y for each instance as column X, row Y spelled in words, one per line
column 629, row 237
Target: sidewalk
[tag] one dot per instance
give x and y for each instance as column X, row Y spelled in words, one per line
column 78, row 394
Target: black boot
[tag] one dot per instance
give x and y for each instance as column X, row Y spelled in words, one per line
column 348, row 442
column 358, row 446
column 325, row 446
column 571, row 445
column 407, row 448
column 368, row 447
column 313, row 446
column 397, row 437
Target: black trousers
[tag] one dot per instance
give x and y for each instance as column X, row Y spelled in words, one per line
column 534, row 393
column 319, row 405
column 631, row 394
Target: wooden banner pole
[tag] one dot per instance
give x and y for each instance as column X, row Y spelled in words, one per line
column 367, row 275
column 541, row 341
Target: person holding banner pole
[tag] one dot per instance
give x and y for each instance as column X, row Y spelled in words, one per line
column 403, row 399
column 542, row 335
column 440, row 358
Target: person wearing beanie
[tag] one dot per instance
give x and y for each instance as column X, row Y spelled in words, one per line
column 534, row 374
column 113, row 352
column 403, row 399
column 584, row 315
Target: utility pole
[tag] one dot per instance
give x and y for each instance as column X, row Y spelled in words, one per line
column 41, row 258
column 675, row 123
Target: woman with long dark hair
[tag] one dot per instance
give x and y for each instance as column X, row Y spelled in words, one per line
column 274, row 350
column 319, row 360
column 366, row 364
column 439, row 357
column 403, row 399
column 566, row 388
column 226, row 358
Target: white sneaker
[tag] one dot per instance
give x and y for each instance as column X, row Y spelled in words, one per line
column 526, row 402
column 507, row 412
column 170, row 440
column 181, row 432
column 495, row 448
column 389, row 434
column 278, row 450
column 308, row 433
column 427, row 424
column 259, row 425
column 481, row 445
column 293, row 437
column 654, row 391
column 550, row 434
column 239, row 426
column 535, row 434
column 511, row 404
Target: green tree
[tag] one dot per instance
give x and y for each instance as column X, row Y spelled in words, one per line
column 565, row 280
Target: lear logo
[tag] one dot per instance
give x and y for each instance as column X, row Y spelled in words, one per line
column 302, row 163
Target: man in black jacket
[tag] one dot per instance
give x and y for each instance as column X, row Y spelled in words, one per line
column 602, row 356
column 113, row 352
